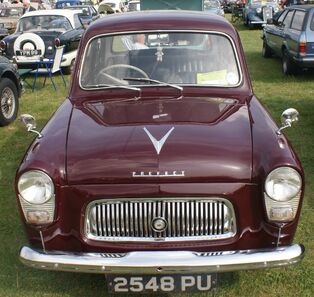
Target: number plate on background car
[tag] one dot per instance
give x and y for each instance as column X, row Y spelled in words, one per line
column 28, row 53
column 161, row 283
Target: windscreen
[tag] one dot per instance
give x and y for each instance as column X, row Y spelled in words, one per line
column 44, row 22
column 192, row 58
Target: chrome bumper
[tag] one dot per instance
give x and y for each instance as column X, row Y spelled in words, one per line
column 163, row 262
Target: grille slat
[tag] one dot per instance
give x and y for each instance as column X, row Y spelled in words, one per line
column 186, row 219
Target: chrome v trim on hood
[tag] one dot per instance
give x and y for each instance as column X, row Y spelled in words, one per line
column 158, row 144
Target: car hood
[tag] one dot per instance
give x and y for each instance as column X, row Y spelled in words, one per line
column 189, row 139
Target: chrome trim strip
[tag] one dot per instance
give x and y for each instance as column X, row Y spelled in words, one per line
column 163, row 262
column 181, row 219
column 171, row 31
column 174, row 173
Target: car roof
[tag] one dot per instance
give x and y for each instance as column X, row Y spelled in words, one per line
column 63, row 12
column 160, row 20
column 302, row 6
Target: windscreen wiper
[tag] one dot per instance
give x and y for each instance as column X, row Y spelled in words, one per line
column 149, row 80
column 108, row 87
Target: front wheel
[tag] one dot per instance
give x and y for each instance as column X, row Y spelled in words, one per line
column 69, row 69
column 9, row 101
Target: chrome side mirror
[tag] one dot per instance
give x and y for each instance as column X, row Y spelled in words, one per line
column 30, row 124
column 288, row 117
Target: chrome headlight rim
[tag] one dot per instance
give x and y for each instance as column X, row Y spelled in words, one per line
column 290, row 171
column 41, row 174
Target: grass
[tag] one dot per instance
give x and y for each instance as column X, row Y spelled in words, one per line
column 276, row 91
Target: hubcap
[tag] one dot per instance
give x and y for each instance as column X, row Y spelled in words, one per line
column 7, row 103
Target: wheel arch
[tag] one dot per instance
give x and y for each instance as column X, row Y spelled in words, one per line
column 284, row 48
column 10, row 75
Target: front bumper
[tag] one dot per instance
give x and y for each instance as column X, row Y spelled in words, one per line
column 163, row 262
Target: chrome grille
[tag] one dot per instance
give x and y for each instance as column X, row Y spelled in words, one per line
column 184, row 219
column 267, row 13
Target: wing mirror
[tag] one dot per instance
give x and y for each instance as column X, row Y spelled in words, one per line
column 270, row 21
column 30, row 124
column 288, row 117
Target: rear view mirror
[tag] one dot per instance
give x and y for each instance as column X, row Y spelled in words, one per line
column 270, row 21
column 30, row 124
column 288, row 117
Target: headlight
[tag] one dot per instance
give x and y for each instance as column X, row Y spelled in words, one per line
column 283, row 184
column 35, row 187
column 258, row 10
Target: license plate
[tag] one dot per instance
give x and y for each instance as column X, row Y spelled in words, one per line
column 161, row 283
column 28, row 53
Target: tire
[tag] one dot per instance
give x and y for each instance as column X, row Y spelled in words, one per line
column 288, row 66
column 29, row 41
column 9, row 101
column 266, row 50
column 69, row 69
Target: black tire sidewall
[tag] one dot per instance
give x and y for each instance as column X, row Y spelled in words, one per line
column 6, row 82
column 287, row 65
column 266, row 51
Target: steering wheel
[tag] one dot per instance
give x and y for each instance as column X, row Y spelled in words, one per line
column 119, row 66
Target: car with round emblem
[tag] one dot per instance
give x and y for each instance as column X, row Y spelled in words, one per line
column 10, row 91
column 257, row 12
column 161, row 168
column 37, row 34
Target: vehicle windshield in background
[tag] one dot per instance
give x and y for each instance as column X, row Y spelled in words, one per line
column 174, row 57
column 44, row 22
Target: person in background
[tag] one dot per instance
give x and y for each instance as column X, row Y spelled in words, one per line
column 27, row 6
column 134, row 42
column 139, row 41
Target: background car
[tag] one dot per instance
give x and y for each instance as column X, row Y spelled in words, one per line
column 115, row 5
column 9, row 16
column 256, row 12
column 134, row 5
column 290, row 36
column 66, row 3
column 10, row 91
column 88, row 13
column 38, row 33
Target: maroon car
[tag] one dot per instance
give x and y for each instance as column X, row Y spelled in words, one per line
column 161, row 168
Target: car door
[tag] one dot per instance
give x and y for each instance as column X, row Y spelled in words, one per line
column 276, row 36
column 293, row 33
column 71, row 38
column 272, row 30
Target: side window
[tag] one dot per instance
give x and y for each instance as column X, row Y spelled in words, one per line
column 312, row 24
column 298, row 19
column 77, row 21
column 288, row 18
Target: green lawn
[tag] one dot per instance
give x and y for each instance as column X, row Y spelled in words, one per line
column 274, row 90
